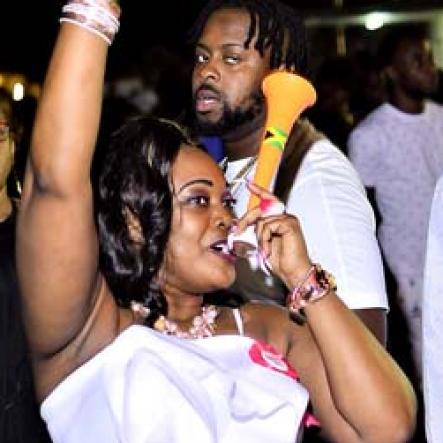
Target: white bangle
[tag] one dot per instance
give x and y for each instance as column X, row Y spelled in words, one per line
column 100, row 17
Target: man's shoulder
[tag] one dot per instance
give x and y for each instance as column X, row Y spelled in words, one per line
column 374, row 120
column 434, row 108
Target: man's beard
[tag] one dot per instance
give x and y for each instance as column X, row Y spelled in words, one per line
column 231, row 119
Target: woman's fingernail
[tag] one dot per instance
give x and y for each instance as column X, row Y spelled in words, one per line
column 262, row 254
column 265, row 204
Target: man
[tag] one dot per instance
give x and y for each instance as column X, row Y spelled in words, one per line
column 237, row 43
column 398, row 151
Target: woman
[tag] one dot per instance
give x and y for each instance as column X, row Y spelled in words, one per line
column 20, row 421
column 126, row 352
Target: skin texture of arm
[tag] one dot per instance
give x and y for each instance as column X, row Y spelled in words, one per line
column 352, row 381
column 63, row 293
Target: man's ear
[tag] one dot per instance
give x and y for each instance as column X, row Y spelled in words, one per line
column 134, row 227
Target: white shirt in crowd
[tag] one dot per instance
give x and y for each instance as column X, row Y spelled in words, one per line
column 337, row 222
column 401, row 156
column 433, row 322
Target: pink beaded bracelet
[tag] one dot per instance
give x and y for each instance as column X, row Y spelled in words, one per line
column 314, row 286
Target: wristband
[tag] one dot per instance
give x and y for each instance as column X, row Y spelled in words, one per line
column 314, row 286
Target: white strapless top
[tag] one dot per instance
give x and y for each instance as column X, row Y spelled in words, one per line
column 149, row 387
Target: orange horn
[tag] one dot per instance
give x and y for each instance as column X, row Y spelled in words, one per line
column 287, row 96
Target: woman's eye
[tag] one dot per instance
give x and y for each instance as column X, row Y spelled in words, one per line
column 199, row 200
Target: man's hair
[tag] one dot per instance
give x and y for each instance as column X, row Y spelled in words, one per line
column 394, row 38
column 278, row 27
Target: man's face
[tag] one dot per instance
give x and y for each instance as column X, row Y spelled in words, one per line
column 226, row 81
column 413, row 68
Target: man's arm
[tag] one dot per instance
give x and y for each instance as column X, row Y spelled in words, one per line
column 375, row 320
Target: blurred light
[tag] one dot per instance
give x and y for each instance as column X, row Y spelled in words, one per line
column 18, row 91
column 375, row 20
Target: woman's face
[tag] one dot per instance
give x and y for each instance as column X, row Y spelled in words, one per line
column 196, row 258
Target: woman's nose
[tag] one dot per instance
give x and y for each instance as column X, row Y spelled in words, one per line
column 225, row 220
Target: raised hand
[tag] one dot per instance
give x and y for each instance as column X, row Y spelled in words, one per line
column 280, row 239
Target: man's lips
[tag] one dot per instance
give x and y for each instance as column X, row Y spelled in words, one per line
column 206, row 99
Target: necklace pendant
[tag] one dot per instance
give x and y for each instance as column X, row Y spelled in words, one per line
column 203, row 325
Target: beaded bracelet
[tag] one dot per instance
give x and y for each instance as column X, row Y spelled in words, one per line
column 315, row 285
column 100, row 17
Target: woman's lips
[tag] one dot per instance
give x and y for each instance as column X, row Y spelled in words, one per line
column 221, row 249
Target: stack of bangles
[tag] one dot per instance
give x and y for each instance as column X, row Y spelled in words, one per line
column 314, row 286
column 100, row 17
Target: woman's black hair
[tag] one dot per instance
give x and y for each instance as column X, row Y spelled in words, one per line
column 135, row 181
column 278, row 27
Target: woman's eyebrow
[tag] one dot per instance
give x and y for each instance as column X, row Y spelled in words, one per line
column 203, row 181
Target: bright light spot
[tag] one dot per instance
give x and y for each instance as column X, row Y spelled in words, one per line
column 18, row 91
column 375, row 20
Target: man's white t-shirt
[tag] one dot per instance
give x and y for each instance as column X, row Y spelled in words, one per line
column 433, row 322
column 337, row 222
column 401, row 156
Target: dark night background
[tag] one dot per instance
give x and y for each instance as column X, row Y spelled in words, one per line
column 28, row 28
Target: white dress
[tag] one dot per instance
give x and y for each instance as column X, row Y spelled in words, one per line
column 149, row 387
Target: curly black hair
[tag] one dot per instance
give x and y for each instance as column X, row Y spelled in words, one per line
column 278, row 27
column 135, row 180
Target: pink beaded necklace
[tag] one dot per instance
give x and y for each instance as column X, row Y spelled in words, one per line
column 202, row 325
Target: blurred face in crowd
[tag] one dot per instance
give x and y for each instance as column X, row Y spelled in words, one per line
column 413, row 68
column 197, row 259
column 6, row 147
column 227, row 77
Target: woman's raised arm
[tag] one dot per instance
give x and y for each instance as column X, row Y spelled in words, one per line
column 57, row 250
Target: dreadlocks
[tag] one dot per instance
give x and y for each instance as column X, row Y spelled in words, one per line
column 278, row 27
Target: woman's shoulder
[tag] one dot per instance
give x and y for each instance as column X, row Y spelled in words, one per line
column 262, row 309
column 270, row 323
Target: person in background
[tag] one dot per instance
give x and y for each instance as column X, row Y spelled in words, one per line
column 398, row 151
column 19, row 417
column 237, row 43
column 432, row 321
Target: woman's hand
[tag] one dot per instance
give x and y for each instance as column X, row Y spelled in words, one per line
column 279, row 238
